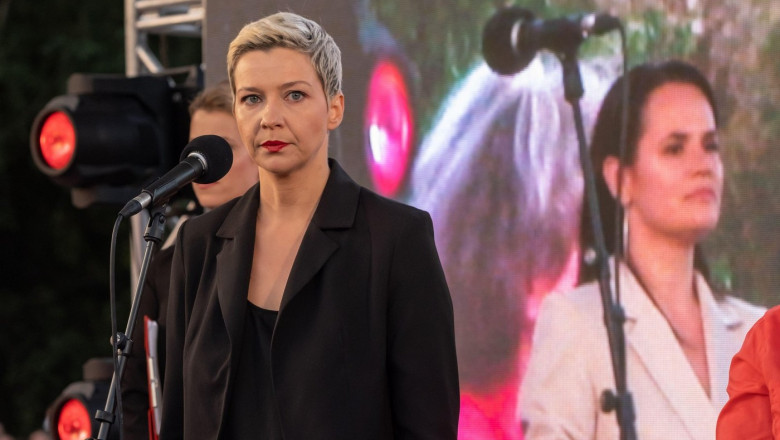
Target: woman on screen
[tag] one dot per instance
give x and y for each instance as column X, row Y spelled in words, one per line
column 310, row 307
column 680, row 334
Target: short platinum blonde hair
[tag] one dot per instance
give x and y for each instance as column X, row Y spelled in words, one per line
column 291, row 31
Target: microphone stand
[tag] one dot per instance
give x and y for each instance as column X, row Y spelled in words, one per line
column 620, row 400
column 153, row 236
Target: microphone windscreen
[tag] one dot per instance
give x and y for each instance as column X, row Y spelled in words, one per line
column 216, row 150
column 501, row 53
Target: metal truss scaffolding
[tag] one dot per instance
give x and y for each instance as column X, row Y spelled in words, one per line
column 183, row 18
column 157, row 17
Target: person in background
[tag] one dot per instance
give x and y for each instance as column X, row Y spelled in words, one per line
column 754, row 384
column 680, row 333
column 211, row 112
column 310, row 307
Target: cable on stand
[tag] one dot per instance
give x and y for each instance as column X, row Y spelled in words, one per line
column 121, row 341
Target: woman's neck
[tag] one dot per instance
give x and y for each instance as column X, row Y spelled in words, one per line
column 665, row 269
column 294, row 193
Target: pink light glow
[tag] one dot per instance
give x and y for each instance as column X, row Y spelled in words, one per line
column 388, row 128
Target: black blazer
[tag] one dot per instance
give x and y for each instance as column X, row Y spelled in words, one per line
column 363, row 346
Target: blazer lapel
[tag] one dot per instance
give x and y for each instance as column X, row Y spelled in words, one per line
column 336, row 210
column 315, row 250
column 720, row 325
column 650, row 337
column 234, row 265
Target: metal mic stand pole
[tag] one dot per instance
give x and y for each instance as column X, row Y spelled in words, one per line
column 153, row 236
column 614, row 317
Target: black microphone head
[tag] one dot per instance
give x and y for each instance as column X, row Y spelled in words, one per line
column 216, row 151
column 502, row 47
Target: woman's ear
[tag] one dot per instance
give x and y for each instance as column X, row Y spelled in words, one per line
column 335, row 111
column 612, row 172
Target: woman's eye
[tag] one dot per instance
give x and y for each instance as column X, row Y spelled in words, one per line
column 250, row 99
column 296, row 95
column 673, row 148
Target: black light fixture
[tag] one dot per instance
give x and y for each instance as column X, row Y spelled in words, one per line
column 72, row 415
column 110, row 135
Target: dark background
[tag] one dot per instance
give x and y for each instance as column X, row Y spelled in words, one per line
column 54, row 258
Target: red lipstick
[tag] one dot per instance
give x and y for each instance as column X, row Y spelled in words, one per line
column 274, row 146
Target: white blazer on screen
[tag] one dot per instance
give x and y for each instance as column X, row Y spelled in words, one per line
column 570, row 366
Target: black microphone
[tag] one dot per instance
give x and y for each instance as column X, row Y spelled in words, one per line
column 205, row 159
column 512, row 36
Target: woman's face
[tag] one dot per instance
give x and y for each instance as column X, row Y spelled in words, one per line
column 242, row 174
column 281, row 110
column 674, row 186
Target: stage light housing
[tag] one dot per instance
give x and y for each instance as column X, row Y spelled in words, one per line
column 110, row 135
column 72, row 415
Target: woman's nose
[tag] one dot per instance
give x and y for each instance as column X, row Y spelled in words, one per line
column 706, row 161
column 271, row 114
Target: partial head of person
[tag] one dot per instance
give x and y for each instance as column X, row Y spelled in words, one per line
column 670, row 177
column 211, row 112
column 285, row 74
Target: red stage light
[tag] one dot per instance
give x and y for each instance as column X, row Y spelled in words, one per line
column 73, row 421
column 388, row 127
column 110, row 135
column 58, row 140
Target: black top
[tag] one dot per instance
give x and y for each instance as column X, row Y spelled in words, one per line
column 253, row 412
